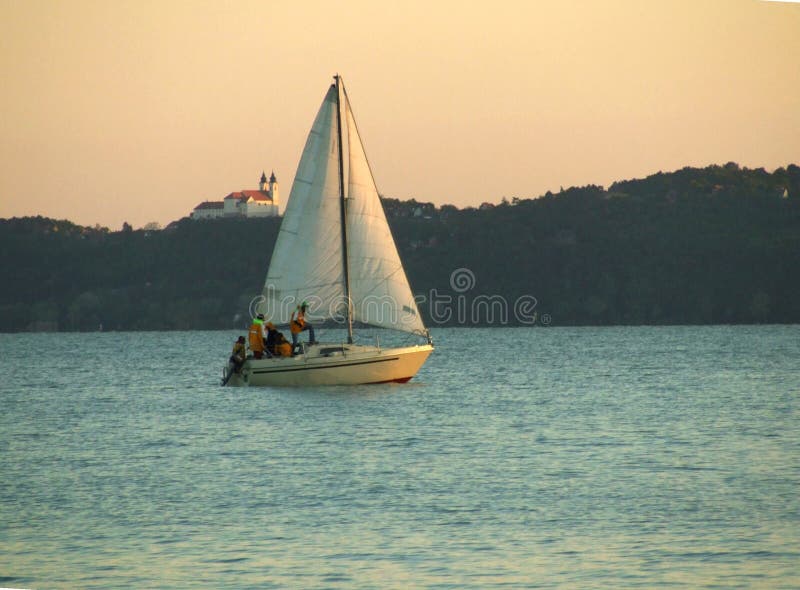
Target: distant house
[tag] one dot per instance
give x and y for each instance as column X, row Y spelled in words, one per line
column 246, row 203
column 208, row 210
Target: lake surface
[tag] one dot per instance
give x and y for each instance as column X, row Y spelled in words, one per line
column 518, row 458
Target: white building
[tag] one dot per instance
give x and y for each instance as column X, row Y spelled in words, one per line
column 207, row 210
column 246, row 203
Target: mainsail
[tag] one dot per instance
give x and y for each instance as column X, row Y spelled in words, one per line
column 308, row 263
column 306, row 260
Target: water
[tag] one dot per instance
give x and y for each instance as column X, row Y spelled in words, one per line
column 521, row 458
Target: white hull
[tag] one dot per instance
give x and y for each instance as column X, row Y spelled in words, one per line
column 335, row 364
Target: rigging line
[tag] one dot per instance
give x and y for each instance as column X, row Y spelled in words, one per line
column 361, row 141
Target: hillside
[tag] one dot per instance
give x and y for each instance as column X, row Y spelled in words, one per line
column 695, row 246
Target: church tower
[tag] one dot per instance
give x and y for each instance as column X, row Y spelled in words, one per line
column 273, row 188
column 262, row 185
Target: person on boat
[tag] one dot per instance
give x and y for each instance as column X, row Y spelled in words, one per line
column 299, row 324
column 276, row 341
column 256, row 336
column 238, row 355
column 272, row 333
column 282, row 346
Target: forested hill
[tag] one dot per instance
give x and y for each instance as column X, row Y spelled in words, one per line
column 696, row 246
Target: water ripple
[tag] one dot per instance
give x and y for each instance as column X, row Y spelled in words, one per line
column 624, row 458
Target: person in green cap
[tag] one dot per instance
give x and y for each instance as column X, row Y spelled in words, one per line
column 256, row 336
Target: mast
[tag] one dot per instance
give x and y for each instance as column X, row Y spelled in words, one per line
column 343, row 208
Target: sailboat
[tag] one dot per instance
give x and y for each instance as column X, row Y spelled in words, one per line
column 335, row 252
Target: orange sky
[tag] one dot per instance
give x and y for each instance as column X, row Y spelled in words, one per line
column 138, row 110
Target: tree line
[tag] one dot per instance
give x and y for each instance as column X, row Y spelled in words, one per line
column 696, row 246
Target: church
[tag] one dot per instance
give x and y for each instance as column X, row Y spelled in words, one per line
column 246, row 203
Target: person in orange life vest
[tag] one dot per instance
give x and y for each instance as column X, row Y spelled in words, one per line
column 271, row 331
column 282, row 347
column 299, row 324
column 276, row 342
column 256, row 336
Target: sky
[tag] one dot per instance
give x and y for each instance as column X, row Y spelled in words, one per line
column 138, row 110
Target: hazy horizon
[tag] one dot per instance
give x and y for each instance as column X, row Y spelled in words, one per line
column 138, row 111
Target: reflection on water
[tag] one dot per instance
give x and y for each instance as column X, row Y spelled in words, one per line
column 628, row 457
